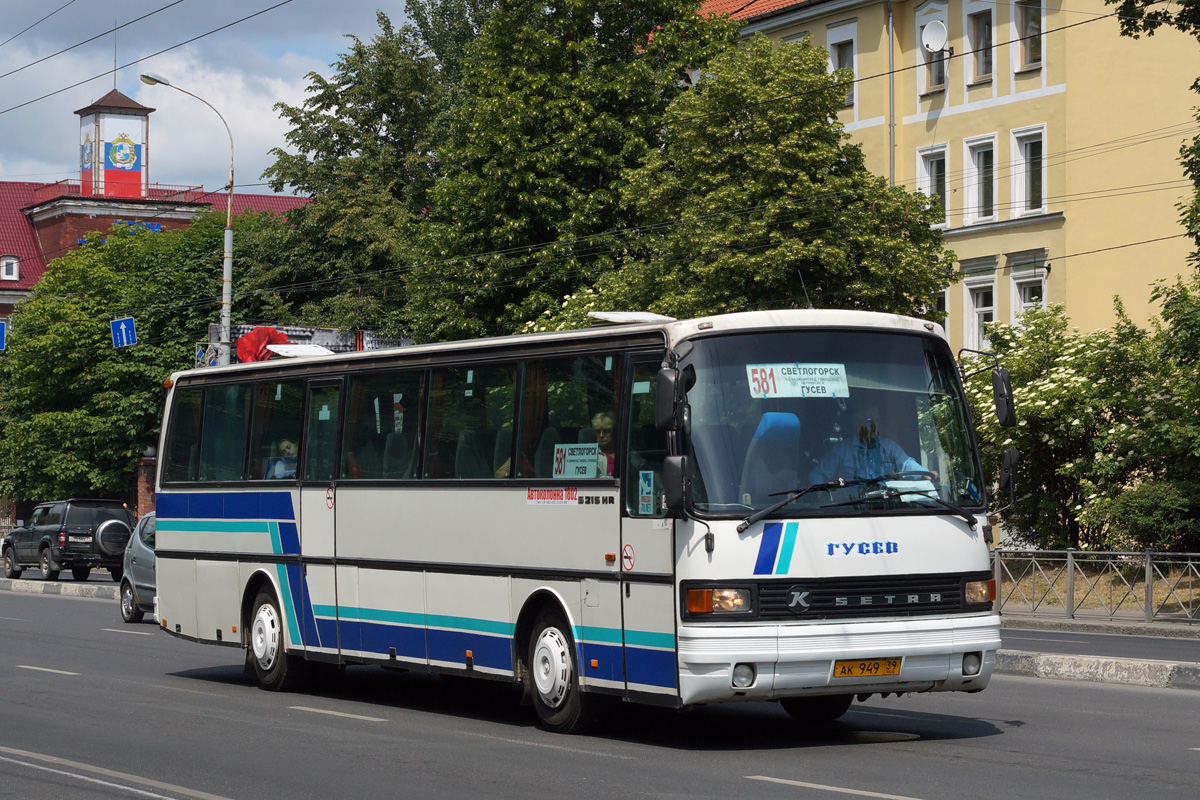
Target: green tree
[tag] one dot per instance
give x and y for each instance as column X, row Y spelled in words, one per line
column 77, row 413
column 556, row 103
column 362, row 145
column 1082, row 401
column 757, row 198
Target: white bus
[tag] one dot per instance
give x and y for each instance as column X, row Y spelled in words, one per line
column 782, row 505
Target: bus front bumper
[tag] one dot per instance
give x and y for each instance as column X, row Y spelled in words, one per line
column 798, row 659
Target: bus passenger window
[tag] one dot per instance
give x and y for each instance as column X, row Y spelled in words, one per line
column 320, row 438
column 568, row 424
column 183, row 438
column 275, row 430
column 470, row 408
column 223, row 434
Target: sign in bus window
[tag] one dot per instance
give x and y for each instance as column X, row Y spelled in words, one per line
column 797, row 380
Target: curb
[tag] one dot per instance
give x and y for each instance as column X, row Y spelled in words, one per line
column 1099, row 669
column 80, row 589
column 1169, row 629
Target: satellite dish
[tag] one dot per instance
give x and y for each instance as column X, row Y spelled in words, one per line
column 933, row 36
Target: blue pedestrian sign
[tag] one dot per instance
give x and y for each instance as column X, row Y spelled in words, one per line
column 123, row 333
column 3, row 334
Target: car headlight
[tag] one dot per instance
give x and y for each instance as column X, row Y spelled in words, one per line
column 979, row 592
column 717, row 600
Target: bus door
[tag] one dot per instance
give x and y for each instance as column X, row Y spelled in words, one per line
column 647, row 546
column 318, row 497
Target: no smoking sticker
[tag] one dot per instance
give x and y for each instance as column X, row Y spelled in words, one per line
column 627, row 557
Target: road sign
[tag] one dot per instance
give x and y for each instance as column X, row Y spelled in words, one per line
column 123, row 332
column 3, row 334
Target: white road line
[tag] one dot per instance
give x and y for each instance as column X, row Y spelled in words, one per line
column 174, row 791
column 46, row 669
column 337, row 714
column 134, row 633
column 822, row 787
column 14, row 619
column 575, row 750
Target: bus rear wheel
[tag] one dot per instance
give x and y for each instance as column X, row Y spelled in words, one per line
column 275, row 669
column 553, row 679
column 817, row 710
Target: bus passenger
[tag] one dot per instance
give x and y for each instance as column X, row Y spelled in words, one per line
column 605, row 426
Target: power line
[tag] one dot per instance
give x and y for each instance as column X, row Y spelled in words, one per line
column 145, row 58
column 34, row 25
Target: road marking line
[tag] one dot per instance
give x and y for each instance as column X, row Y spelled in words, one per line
column 109, row 784
column 824, row 788
column 46, row 669
column 108, row 773
column 337, row 714
column 133, row 633
column 14, row 619
column 550, row 746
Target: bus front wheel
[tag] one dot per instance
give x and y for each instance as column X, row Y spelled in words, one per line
column 817, row 710
column 275, row 669
column 554, row 679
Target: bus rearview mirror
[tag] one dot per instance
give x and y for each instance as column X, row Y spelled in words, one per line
column 1006, row 412
column 1008, row 470
column 667, row 399
column 674, row 476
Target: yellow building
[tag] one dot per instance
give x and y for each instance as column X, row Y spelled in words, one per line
column 1052, row 140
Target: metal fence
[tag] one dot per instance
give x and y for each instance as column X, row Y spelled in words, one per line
column 1076, row 584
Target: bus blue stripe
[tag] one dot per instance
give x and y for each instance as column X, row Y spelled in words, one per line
column 768, row 548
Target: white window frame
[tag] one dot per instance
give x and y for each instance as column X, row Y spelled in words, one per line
column 971, row 12
column 844, row 33
column 973, row 337
column 1021, row 137
column 1020, row 62
column 926, row 14
column 925, row 180
column 10, row 268
column 973, row 178
column 1021, row 279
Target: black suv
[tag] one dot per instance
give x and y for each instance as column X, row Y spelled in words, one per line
column 70, row 534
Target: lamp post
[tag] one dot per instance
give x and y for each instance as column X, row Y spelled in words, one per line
column 227, row 261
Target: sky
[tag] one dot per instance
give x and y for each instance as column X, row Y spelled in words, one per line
column 243, row 71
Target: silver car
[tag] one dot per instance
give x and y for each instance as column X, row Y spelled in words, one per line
column 138, row 581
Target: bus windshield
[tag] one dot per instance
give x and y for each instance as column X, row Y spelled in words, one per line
column 773, row 413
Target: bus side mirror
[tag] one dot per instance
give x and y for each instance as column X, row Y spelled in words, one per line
column 675, row 480
column 1006, row 413
column 668, row 398
column 1008, row 471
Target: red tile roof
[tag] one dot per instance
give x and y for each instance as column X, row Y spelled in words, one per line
column 16, row 234
column 748, row 9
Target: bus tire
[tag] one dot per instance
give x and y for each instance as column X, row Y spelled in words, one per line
column 553, row 679
column 275, row 669
column 819, row 709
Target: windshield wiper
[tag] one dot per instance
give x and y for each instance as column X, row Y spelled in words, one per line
column 836, row 483
column 888, row 493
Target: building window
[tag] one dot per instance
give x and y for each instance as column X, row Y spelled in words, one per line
column 1029, row 174
column 1031, row 294
column 9, row 268
column 935, row 68
column 1029, row 31
column 981, row 312
column 931, row 174
column 842, row 56
column 981, row 46
column 980, row 181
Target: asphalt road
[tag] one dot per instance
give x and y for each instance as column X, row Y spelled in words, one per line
column 1158, row 648
column 92, row 708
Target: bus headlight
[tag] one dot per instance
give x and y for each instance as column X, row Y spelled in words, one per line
column 978, row 592
column 719, row 601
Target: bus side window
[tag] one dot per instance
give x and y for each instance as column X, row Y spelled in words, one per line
column 470, row 406
column 275, row 430
column 647, row 447
column 568, row 418
column 320, row 439
column 223, row 433
column 183, row 444
column 382, row 417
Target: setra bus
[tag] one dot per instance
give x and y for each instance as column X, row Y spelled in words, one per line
column 773, row 505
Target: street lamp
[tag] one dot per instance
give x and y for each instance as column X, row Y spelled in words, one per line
column 227, row 262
